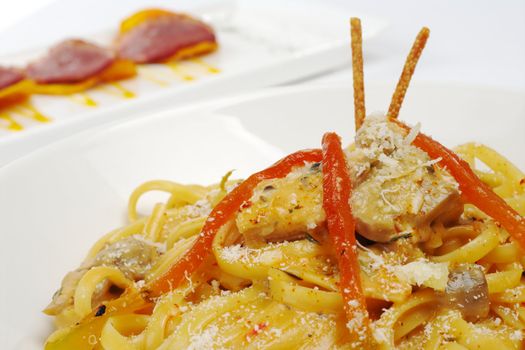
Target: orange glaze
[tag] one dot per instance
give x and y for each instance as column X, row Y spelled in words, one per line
column 119, row 70
column 194, row 51
column 141, row 17
column 14, row 94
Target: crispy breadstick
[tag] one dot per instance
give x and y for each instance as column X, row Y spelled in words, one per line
column 357, row 70
column 408, row 70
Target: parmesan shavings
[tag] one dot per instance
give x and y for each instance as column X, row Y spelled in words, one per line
column 411, row 136
column 238, row 252
column 424, row 273
column 204, row 340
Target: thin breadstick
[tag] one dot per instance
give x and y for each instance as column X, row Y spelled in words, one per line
column 408, row 70
column 357, row 70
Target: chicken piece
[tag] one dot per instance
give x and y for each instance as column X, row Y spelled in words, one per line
column 134, row 257
column 398, row 191
column 284, row 208
column 397, row 188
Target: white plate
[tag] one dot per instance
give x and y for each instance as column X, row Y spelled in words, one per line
column 56, row 202
column 261, row 44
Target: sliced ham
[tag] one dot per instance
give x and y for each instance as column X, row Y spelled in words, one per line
column 70, row 61
column 162, row 37
column 10, row 76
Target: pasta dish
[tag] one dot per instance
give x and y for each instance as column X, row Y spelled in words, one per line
column 394, row 242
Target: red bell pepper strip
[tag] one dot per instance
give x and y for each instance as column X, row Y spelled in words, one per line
column 473, row 190
column 337, row 189
column 220, row 215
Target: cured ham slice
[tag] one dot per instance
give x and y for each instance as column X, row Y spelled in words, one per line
column 10, row 76
column 157, row 35
column 13, row 86
column 70, row 61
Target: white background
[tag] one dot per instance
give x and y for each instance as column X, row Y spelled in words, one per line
column 472, row 41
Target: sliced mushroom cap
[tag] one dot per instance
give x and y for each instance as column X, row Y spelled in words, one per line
column 467, row 290
column 132, row 256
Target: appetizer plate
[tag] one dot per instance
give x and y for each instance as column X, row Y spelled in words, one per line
column 261, row 44
column 56, row 202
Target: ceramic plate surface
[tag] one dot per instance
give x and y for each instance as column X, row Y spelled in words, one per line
column 260, row 44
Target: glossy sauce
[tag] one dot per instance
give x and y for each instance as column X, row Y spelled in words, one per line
column 209, row 68
column 180, row 72
column 84, row 99
column 12, row 125
column 117, row 89
column 26, row 110
column 147, row 74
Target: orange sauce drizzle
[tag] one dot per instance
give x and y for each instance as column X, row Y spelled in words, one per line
column 147, row 74
column 12, row 125
column 125, row 92
column 83, row 99
column 117, row 90
column 24, row 110
column 179, row 71
column 209, row 68
column 28, row 110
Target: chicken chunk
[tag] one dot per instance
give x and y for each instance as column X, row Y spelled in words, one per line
column 398, row 190
column 284, row 208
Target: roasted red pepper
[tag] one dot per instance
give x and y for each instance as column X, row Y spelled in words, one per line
column 220, row 215
column 473, row 190
column 337, row 189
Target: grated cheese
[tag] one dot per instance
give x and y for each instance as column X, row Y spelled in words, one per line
column 204, row 340
column 411, row 136
column 238, row 252
column 424, row 273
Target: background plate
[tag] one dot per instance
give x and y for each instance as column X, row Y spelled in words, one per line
column 261, row 44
